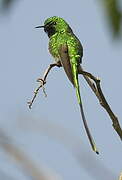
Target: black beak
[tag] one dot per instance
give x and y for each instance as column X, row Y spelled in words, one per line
column 39, row 27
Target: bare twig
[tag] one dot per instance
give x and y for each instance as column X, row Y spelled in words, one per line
column 97, row 90
column 103, row 102
column 42, row 82
column 90, row 83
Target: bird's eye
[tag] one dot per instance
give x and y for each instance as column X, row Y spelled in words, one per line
column 54, row 23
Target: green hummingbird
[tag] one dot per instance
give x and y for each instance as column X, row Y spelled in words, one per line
column 60, row 33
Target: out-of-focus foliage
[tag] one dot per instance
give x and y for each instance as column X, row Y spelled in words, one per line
column 113, row 13
column 5, row 4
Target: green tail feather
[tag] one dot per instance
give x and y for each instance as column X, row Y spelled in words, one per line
column 76, row 84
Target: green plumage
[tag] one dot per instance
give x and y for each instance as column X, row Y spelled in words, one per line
column 63, row 34
column 66, row 36
column 60, row 33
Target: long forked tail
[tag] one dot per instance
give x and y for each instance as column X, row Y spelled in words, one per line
column 76, row 85
column 72, row 73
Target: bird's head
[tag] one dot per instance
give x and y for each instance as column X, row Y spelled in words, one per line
column 54, row 25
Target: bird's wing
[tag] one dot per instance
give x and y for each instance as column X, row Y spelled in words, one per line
column 65, row 61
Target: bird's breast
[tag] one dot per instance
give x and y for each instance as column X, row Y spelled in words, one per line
column 53, row 48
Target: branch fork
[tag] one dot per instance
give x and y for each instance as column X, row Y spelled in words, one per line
column 92, row 81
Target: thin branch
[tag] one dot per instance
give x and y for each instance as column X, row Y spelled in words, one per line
column 97, row 90
column 90, row 82
column 42, row 82
column 103, row 102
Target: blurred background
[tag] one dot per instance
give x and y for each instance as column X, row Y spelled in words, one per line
column 49, row 141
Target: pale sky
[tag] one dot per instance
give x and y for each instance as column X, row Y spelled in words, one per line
column 52, row 133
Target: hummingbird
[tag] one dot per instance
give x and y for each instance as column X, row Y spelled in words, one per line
column 60, row 33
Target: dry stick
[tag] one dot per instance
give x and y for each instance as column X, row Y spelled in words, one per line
column 87, row 76
column 63, row 51
column 98, row 92
column 42, row 82
column 96, row 89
